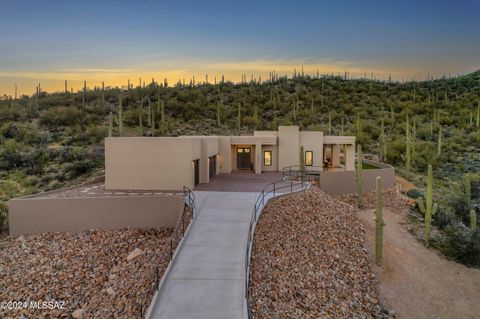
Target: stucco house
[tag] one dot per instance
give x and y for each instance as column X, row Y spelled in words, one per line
column 169, row 163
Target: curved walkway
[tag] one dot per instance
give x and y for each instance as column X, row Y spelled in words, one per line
column 206, row 279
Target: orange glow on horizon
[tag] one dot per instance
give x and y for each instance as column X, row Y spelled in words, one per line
column 232, row 71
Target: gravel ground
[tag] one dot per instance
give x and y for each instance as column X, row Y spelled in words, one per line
column 89, row 271
column 99, row 190
column 309, row 261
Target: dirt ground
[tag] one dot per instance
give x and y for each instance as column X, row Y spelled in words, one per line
column 416, row 282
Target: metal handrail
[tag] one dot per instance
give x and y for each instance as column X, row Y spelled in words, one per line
column 273, row 189
column 296, row 171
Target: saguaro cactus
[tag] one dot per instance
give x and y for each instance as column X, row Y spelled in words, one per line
column 329, row 122
column 378, row 221
column 302, row 161
column 239, row 119
column 219, row 107
column 430, row 208
column 382, row 137
column 407, row 147
column 140, row 125
column 473, row 219
column 162, row 118
column 103, row 93
column 359, row 176
column 439, row 142
column 359, row 127
column 468, row 191
column 110, row 124
column 120, row 116
column 477, row 122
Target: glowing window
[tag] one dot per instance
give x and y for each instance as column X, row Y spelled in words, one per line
column 267, row 158
column 308, row 158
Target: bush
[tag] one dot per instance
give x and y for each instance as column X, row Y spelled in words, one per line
column 461, row 244
column 415, row 193
column 59, row 116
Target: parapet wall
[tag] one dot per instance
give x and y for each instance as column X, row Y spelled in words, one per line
column 31, row 215
column 344, row 182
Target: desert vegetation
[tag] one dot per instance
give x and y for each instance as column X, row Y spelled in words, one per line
column 48, row 140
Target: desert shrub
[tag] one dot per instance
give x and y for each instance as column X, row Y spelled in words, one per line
column 415, row 193
column 3, row 214
column 461, row 244
column 59, row 116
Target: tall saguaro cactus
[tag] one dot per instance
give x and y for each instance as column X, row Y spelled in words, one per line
column 359, row 125
column 439, row 142
column 239, row 119
column 329, row 122
column 120, row 116
column 359, row 176
column 407, row 148
column 302, row 161
column 162, row 118
column 473, row 219
column 378, row 221
column 110, row 124
column 382, row 136
column 429, row 208
column 468, row 191
column 477, row 122
column 219, row 107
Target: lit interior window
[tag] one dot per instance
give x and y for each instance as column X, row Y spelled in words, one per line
column 308, row 158
column 267, row 158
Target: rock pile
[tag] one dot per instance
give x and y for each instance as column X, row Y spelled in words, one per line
column 98, row 274
column 309, row 261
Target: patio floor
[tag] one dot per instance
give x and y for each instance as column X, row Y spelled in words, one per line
column 240, row 182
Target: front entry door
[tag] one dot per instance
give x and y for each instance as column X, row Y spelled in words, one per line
column 212, row 169
column 243, row 158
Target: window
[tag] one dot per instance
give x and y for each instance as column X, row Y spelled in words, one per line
column 308, row 158
column 267, row 158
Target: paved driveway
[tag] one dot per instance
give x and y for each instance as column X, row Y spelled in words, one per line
column 240, row 182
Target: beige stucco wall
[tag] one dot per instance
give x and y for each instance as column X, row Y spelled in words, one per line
column 150, row 163
column 225, row 156
column 344, row 182
column 313, row 141
column 39, row 215
column 274, row 150
column 288, row 146
column 349, row 151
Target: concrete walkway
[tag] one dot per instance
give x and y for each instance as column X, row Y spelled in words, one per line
column 207, row 277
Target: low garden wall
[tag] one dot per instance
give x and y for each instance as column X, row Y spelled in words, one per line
column 344, row 182
column 31, row 215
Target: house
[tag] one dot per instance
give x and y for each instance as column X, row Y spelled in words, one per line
column 169, row 163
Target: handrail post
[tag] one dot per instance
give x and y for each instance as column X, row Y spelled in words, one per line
column 263, row 198
column 291, row 185
column 273, row 189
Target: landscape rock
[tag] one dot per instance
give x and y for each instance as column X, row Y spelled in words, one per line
column 78, row 314
column 87, row 270
column 309, row 261
column 134, row 254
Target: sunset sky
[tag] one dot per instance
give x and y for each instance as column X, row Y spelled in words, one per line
column 52, row 41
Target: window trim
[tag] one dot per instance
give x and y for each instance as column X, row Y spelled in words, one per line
column 264, row 158
column 311, row 164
